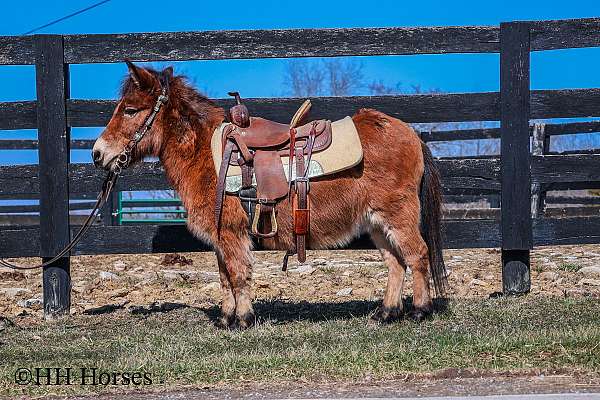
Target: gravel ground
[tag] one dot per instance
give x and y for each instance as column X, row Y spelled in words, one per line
column 130, row 281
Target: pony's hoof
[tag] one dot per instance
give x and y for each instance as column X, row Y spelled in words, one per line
column 226, row 322
column 420, row 313
column 245, row 321
column 386, row 315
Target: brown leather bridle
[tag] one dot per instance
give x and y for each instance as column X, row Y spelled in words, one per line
column 124, row 158
column 122, row 161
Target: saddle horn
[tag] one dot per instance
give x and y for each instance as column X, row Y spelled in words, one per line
column 239, row 114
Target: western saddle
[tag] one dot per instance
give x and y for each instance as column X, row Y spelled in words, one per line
column 257, row 145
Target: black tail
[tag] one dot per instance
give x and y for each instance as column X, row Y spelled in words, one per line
column 430, row 197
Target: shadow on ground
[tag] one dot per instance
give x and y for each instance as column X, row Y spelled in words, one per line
column 273, row 311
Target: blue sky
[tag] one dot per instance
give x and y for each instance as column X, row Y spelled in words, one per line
column 265, row 78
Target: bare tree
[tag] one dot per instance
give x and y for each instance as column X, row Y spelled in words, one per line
column 345, row 77
column 378, row 88
column 304, row 78
column 334, row 77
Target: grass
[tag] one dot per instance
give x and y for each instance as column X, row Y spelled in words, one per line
column 308, row 342
column 539, row 268
column 569, row 267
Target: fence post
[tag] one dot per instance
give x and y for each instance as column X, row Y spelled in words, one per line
column 517, row 236
column 52, row 87
column 108, row 212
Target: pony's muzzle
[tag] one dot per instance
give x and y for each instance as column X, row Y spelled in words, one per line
column 97, row 157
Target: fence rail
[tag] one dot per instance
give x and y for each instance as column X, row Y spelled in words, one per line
column 285, row 43
column 519, row 177
column 422, row 108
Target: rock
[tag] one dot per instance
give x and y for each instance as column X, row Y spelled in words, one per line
column 303, row 269
column 319, row 261
column 593, row 271
column 171, row 275
column 341, row 265
column 559, row 281
column 119, row 265
column 119, row 293
column 589, row 282
column 105, row 275
column 13, row 292
column 345, row 292
column 212, row 286
column 30, row 303
column 549, row 276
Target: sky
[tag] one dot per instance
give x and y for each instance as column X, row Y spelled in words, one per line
column 265, row 78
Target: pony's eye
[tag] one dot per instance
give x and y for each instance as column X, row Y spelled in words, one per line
column 130, row 111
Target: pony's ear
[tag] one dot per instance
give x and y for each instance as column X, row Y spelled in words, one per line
column 168, row 72
column 140, row 76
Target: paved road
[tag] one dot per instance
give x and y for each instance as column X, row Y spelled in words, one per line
column 192, row 395
column 564, row 396
column 490, row 388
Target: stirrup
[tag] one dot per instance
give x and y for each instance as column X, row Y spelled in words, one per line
column 256, row 220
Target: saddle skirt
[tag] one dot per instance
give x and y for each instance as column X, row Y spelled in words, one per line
column 344, row 152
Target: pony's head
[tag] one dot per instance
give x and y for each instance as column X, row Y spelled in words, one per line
column 139, row 95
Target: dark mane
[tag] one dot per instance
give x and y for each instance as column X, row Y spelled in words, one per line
column 128, row 86
column 183, row 95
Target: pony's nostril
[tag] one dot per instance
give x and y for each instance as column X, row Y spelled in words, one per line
column 96, row 156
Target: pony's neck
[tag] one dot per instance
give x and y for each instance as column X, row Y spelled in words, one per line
column 186, row 155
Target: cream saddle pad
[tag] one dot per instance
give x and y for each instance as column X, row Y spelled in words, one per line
column 344, row 152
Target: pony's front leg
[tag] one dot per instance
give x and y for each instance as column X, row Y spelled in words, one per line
column 235, row 259
column 227, row 319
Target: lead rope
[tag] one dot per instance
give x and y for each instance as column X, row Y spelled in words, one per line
column 107, row 187
column 122, row 161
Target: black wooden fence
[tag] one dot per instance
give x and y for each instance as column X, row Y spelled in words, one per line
column 511, row 175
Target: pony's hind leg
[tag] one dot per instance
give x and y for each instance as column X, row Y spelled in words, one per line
column 403, row 233
column 415, row 254
column 391, row 308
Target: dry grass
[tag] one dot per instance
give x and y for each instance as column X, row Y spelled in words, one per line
column 308, row 342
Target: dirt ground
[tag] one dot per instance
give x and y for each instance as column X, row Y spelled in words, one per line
column 138, row 282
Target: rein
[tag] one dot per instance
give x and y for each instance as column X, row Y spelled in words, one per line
column 122, row 161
